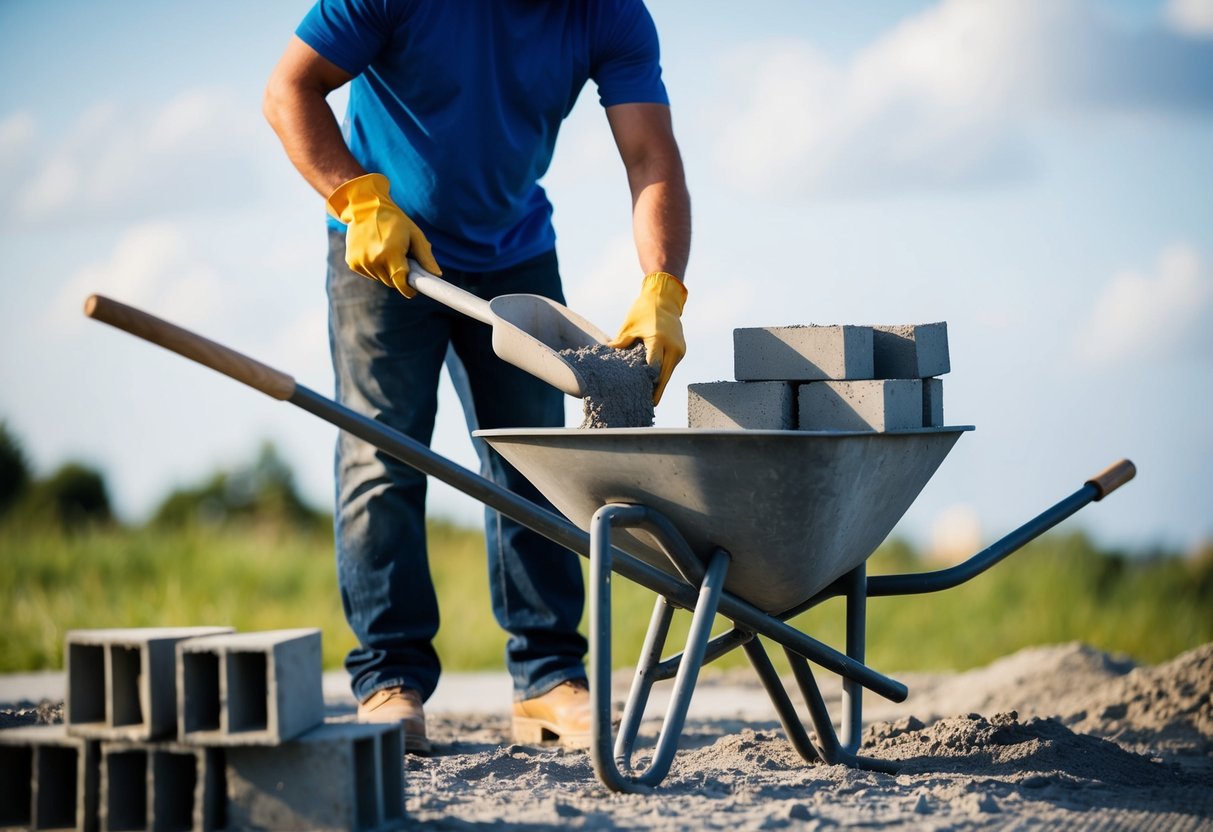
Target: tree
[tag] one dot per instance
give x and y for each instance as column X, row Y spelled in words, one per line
column 14, row 469
column 74, row 497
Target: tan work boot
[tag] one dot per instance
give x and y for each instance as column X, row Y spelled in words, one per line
column 399, row 705
column 561, row 715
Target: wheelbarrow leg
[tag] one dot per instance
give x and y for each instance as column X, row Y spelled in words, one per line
column 642, row 683
column 856, row 583
column 618, row 775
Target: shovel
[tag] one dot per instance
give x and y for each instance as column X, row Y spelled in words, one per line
column 529, row 331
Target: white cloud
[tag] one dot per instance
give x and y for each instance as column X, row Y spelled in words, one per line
column 152, row 266
column 1192, row 17
column 200, row 150
column 948, row 98
column 1166, row 314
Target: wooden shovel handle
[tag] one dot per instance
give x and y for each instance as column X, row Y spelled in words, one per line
column 1113, row 477
column 183, row 342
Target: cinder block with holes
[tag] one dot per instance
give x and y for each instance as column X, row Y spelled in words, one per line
column 161, row 785
column 751, row 405
column 338, row 776
column 875, row 405
column 121, row 684
column 802, row 353
column 911, row 350
column 48, row 779
column 249, row 688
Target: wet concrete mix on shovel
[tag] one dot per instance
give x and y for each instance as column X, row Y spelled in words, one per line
column 618, row 385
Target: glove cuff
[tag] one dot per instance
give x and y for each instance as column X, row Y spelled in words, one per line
column 343, row 202
column 667, row 287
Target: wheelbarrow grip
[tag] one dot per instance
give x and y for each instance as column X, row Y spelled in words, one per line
column 1112, row 477
column 225, row 360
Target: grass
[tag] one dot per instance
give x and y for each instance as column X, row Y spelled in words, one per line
column 256, row 578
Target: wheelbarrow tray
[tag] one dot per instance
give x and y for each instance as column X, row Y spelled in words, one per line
column 795, row 509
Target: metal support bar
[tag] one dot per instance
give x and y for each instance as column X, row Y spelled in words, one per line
column 642, row 683
column 788, row 718
column 717, row 647
column 617, row 774
column 856, row 624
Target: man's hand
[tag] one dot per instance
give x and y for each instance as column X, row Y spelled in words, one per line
column 379, row 238
column 655, row 319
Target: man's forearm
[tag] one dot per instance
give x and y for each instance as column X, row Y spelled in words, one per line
column 661, row 220
column 309, row 133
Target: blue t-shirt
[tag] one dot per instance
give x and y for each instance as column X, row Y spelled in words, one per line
column 458, row 102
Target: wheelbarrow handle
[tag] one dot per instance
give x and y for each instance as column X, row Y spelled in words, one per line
column 1112, row 477
column 225, row 360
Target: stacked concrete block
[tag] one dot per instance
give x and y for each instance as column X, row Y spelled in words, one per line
column 199, row 728
column 910, row 350
column 249, row 688
column 820, row 378
column 49, row 779
column 802, row 353
column 122, row 684
column 877, row 404
column 751, row 405
column 336, row 777
column 161, row 785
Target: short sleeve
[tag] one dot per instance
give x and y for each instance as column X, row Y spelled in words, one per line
column 349, row 33
column 627, row 64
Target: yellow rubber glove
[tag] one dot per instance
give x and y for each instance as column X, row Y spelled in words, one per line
column 379, row 236
column 655, row 319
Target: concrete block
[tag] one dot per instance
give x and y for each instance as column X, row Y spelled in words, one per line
column 911, row 350
column 48, row 779
column 932, row 402
column 338, row 776
column 161, row 785
column 878, row 405
column 249, row 688
column 752, row 405
column 122, row 684
column 802, row 353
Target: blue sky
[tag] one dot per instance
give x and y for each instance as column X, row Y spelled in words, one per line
column 1037, row 173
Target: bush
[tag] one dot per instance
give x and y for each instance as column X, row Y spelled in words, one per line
column 72, row 498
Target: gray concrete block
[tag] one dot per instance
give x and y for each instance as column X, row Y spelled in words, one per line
column 48, row 779
column 161, row 785
column 338, row 776
column 877, row 405
column 911, row 350
column 249, row 688
column 752, row 405
column 932, row 402
column 802, row 353
column 122, row 684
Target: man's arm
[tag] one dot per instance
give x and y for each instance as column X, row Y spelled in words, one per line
column 296, row 107
column 661, row 206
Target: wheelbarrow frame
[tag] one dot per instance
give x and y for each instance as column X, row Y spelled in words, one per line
column 698, row 587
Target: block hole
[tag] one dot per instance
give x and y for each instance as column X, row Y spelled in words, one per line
column 174, row 790
column 126, row 670
column 365, row 781
column 247, row 692
column 17, row 775
column 58, row 768
column 200, row 691
column 391, row 752
column 86, row 683
column 125, row 791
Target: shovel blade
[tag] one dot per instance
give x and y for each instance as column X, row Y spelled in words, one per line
column 529, row 331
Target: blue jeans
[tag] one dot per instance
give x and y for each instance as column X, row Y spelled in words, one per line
column 388, row 352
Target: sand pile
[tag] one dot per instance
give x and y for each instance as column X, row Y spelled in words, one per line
column 618, row 386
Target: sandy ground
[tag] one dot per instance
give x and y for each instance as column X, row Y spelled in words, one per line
column 1050, row 737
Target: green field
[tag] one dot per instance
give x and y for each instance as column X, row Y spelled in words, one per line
column 256, row 577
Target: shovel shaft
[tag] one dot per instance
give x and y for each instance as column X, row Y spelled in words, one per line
column 447, row 294
column 194, row 347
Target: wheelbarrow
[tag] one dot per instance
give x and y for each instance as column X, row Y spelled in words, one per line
column 755, row 526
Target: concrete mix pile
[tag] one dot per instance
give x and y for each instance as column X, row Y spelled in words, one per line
column 846, row 378
column 199, row 728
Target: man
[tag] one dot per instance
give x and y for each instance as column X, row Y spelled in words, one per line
column 453, row 113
